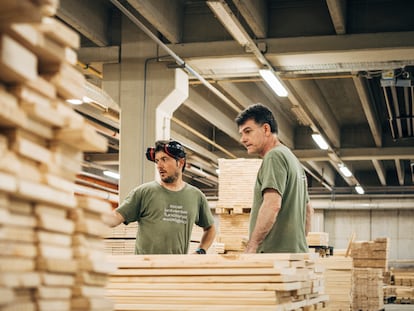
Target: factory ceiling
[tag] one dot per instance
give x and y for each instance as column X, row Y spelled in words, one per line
column 347, row 65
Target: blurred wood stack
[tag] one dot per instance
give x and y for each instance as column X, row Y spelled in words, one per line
column 217, row 282
column 367, row 289
column 121, row 240
column 401, row 289
column 318, row 238
column 371, row 254
column 50, row 238
column 235, row 197
column 370, row 262
column 338, row 285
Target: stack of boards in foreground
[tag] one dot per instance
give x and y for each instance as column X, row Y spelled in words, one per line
column 52, row 254
column 277, row 282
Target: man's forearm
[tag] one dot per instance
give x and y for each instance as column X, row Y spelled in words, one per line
column 112, row 219
column 208, row 237
column 309, row 214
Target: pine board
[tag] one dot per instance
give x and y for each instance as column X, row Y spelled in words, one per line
column 17, row 64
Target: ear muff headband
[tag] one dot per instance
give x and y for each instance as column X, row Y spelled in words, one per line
column 150, row 154
column 173, row 149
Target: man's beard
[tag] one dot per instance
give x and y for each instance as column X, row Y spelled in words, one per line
column 170, row 179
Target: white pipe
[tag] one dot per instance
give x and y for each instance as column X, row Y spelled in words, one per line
column 395, row 203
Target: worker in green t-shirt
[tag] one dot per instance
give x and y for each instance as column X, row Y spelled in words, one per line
column 281, row 213
column 166, row 211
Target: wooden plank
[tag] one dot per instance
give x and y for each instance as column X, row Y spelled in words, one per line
column 43, row 87
column 6, row 295
column 53, row 305
column 206, row 272
column 8, row 183
column 16, row 264
column 54, row 251
column 59, row 32
column 204, row 286
column 93, row 204
column 191, row 307
column 91, row 303
column 210, row 279
column 17, row 234
column 57, row 265
column 44, row 193
column 85, row 138
column 10, row 112
column 64, row 240
column 19, row 11
column 88, row 291
column 57, row 279
column 45, row 292
column 20, row 279
column 17, row 64
column 24, row 250
column 48, row 51
column 56, row 224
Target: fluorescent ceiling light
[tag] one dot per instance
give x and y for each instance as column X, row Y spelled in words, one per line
column 321, row 142
column 270, row 77
column 229, row 21
column 359, row 189
column 111, row 174
column 75, row 101
column 345, row 170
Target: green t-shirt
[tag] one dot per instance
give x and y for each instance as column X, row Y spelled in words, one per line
column 165, row 218
column 281, row 170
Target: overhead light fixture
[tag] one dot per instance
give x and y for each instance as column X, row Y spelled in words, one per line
column 320, row 141
column 111, row 174
column 229, row 21
column 359, row 189
column 345, row 170
column 273, row 81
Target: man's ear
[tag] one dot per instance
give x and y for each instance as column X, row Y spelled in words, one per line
column 268, row 130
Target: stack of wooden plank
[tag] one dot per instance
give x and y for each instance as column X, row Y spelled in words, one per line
column 49, row 237
column 217, row 282
column 370, row 262
column 318, row 238
column 236, row 183
column 402, row 290
column 367, row 291
column 371, row 254
column 233, row 231
column 338, row 284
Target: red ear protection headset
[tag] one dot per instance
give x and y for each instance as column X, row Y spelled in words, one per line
column 173, row 148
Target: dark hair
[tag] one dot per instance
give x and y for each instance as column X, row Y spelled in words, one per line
column 260, row 114
column 171, row 147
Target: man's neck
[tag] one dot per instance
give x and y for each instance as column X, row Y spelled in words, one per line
column 174, row 186
column 273, row 142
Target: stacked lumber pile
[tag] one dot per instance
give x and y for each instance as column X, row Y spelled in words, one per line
column 402, row 289
column 121, row 240
column 50, row 238
column 235, row 197
column 370, row 262
column 367, row 291
column 318, row 238
column 236, row 183
column 233, row 232
column 371, row 254
column 338, row 284
column 217, row 282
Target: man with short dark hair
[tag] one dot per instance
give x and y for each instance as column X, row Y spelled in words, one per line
column 281, row 213
column 167, row 210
